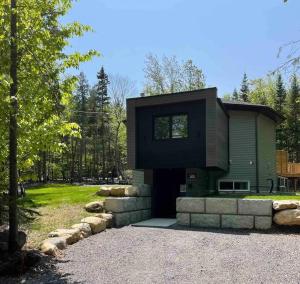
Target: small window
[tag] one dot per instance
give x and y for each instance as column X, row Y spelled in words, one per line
column 235, row 185
column 179, row 126
column 226, row 185
column 241, row 185
column 166, row 127
column 162, row 128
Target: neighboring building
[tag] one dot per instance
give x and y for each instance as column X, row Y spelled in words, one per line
column 288, row 172
column 193, row 144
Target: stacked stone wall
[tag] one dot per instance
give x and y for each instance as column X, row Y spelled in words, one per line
column 224, row 213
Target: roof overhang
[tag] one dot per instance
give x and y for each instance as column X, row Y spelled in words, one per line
column 266, row 110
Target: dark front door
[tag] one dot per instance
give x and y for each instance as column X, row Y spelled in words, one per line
column 166, row 188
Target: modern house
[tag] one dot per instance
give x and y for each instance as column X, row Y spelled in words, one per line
column 194, row 144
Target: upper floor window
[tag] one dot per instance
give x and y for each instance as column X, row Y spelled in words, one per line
column 174, row 126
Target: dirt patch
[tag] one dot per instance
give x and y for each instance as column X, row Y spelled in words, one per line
column 52, row 218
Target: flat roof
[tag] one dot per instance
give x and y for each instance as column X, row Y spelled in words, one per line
column 266, row 110
column 227, row 105
column 175, row 93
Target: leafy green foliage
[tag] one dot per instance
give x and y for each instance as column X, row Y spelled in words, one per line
column 44, row 89
column 168, row 75
column 293, row 119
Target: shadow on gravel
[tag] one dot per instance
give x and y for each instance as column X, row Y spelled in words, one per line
column 279, row 230
column 45, row 272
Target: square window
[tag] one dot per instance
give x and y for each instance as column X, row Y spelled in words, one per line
column 162, row 127
column 232, row 185
column 226, row 185
column 179, row 126
column 241, row 185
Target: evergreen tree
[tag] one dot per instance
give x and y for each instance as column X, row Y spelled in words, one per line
column 293, row 119
column 235, row 95
column 102, row 102
column 81, row 97
column 244, row 93
column 280, row 103
column 280, row 99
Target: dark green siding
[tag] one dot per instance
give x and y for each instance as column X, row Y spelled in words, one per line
column 242, row 147
column 250, row 159
column 266, row 152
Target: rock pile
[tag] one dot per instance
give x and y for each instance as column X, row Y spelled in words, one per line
column 94, row 207
column 4, row 239
column 61, row 238
column 124, row 191
column 287, row 213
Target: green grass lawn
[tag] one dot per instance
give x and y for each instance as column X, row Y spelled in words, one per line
column 59, row 194
column 60, row 206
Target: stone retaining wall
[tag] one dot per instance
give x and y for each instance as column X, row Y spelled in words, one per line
column 224, row 213
column 129, row 210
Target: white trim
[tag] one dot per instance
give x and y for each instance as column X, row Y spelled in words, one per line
column 233, row 189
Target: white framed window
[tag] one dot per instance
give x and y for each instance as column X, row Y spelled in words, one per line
column 234, row 185
column 282, row 182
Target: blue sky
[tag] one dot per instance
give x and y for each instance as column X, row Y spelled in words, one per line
column 224, row 37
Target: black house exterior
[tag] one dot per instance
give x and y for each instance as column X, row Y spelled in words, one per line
column 180, row 144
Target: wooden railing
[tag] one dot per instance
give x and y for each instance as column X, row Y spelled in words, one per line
column 283, row 167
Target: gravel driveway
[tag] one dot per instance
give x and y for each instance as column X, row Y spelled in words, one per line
column 148, row 255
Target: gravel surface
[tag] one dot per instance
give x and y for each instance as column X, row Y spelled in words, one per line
column 148, row 255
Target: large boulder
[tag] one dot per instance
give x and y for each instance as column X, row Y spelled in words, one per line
column 70, row 235
column 285, row 204
column 52, row 246
column 131, row 191
column 117, row 192
column 122, row 191
column 107, row 217
column 84, row 228
column 97, row 224
column 105, row 191
column 289, row 217
column 21, row 240
column 94, row 207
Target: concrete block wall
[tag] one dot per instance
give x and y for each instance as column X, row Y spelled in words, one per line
column 137, row 177
column 224, row 213
column 129, row 210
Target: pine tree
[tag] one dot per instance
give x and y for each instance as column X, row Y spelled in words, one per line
column 293, row 119
column 235, row 95
column 102, row 102
column 81, row 97
column 280, row 99
column 280, row 103
column 244, row 93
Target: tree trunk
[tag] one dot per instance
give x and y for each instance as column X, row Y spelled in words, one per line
column 13, row 131
column 44, row 165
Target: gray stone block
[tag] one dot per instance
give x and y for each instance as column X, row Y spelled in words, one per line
column 221, row 205
column 146, row 214
column 205, row 220
column 121, row 204
column 143, row 203
column 122, row 219
column 237, row 221
column 135, row 216
column 257, row 207
column 190, row 204
column 144, row 190
column 183, row 219
column 263, row 222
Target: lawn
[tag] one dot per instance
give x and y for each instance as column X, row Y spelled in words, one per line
column 60, row 206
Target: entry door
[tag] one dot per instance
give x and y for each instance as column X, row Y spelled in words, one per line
column 166, row 185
